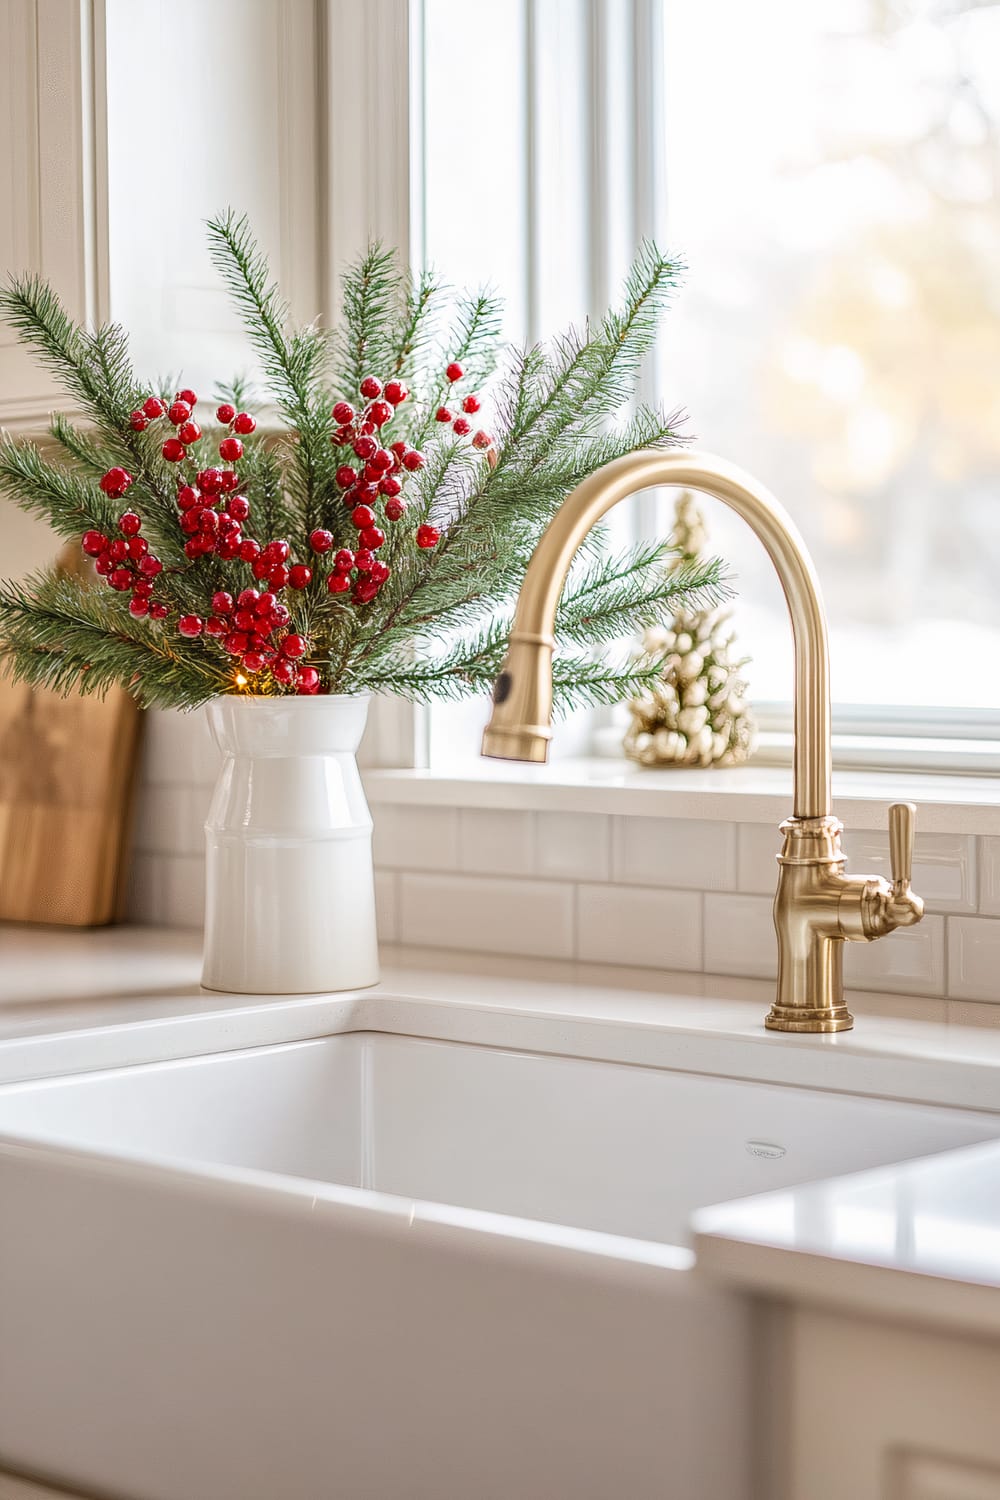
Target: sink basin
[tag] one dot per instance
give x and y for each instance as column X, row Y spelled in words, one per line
column 377, row 1265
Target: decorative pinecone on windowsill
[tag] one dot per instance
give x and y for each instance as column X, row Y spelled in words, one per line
column 697, row 713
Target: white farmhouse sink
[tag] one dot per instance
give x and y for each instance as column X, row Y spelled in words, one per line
column 376, row 1266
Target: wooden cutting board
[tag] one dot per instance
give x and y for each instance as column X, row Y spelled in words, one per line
column 67, row 776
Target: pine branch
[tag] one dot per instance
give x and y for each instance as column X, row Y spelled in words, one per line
column 373, row 290
column 619, row 596
column 56, row 632
column 70, row 503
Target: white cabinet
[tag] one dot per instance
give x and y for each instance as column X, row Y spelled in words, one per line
column 860, row 1410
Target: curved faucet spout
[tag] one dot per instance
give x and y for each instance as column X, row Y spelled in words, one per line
column 520, row 726
column 817, row 906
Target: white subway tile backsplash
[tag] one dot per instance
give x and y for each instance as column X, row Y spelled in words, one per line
column 944, row 866
column 531, row 918
column 739, row 936
column 910, row 961
column 757, row 848
column 178, row 749
column 974, row 958
column 573, row 846
column 989, row 876
column 416, row 838
column 631, row 925
column 387, row 905
column 496, row 843
column 170, row 819
column 682, row 853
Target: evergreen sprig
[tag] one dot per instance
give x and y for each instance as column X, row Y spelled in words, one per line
column 438, row 624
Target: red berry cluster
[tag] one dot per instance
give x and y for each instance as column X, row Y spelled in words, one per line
column 180, row 414
column 245, row 626
column 460, row 423
column 125, row 562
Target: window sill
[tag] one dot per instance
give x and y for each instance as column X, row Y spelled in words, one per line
column 749, row 794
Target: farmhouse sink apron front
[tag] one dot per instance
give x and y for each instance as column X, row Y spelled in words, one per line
column 397, row 1266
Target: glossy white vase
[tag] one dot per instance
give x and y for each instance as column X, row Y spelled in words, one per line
column 290, row 891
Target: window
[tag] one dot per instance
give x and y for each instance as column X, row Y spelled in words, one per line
column 830, row 172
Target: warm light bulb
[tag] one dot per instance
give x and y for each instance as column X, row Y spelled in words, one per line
column 241, row 681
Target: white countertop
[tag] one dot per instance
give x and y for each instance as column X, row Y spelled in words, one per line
column 921, row 1239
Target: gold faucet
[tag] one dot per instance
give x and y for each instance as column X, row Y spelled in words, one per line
column 817, row 907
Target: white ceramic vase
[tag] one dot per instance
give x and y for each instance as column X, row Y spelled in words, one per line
column 290, row 892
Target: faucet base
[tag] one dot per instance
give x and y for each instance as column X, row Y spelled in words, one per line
column 809, row 1018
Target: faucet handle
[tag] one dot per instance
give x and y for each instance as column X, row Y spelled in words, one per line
column 902, row 821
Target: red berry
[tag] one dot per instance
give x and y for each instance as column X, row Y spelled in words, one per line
column 190, row 626
column 129, row 524
column 178, row 413
column 138, row 421
column 231, row 449
column 225, row 413
column 230, row 481
column 372, row 537
column 389, row 486
column 254, row 661
column 396, row 392
column 382, row 461
column 454, row 371
column 208, row 520
column 294, row 645
column 363, row 516
column 137, row 547
column 261, row 568
column 150, row 567
column 228, row 548
column 249, row 550
column 215, row 627
column 482, row 440
column 338, row 583
column 280, row 615
column 344, row 560
column 265, row 604
column 442, row 415
column 276, row 552
column 283, row 672
column 118, row 550
column 341, row 436
column 188, row 396
column 370, row 387
column 365, row 446
column 471, row 404
column 153, row 407
column 104, row 564
column 428, row 536
column 248, row 599
column 364, row 494
column 278, row 576
column 308, row 681
column 321, row 540
column 236, row 642
column 159, row 611
column 195, row 548
column 243, row 423
column 222, row 603
column 239, row 507
column 173, row 450
column 300, row 576
column 115, row 482
column 380, row 413
column 363, row 560
column 93, row 543
column 189, row 432
column 379, row 571
column 210, row 481
column 120, row 579
column 462, row 427
column 345, row 476
column 138, row 607
column 343, row 413
column 395, row 509
column 188, row 496
column 413, row 460
column 365, row 590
